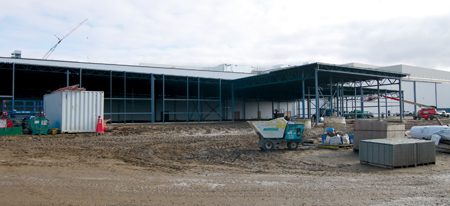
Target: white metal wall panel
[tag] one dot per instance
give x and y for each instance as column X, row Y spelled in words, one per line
column 443, row 95
column 251, row 110
column 266, row 110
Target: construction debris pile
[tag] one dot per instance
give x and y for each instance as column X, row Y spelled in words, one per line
column 332, row 137
column 439, row 134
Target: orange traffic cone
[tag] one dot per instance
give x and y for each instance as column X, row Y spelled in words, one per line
column 100, row 127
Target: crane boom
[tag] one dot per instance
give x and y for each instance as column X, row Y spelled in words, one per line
column 62, row 38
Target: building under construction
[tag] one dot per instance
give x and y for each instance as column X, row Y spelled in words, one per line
column 167, row 94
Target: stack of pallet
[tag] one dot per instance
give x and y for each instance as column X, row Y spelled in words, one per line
column 376, row 129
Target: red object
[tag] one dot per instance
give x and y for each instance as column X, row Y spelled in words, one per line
column 427, row 112
column 9, row 123
column 100, row 127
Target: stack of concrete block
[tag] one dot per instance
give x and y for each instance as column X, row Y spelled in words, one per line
column 338, row 123
column 376, row 129
column 397, row 152
column 306, row 122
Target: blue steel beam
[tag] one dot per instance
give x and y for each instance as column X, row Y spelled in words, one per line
column 316, row 88
column 303, row 95
column 152, row 91
column 13, row 87
column 187, row 99
column 220, row 95
column 163, row 98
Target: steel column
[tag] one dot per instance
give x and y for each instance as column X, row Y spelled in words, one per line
column 400, row 93
column 361, row 97
column 187, row 99
column 198, row 99
column 435, row 94
column 67, row 78
column 331, row 94
column 354, row 99
column 338, row 99
column 110, row 95
column 232, row 102
column 342, row 99
column 81, row 77
column 309, row 103
column 220, row 97
column 378, row 102
column 13, row 91
column 163, row 99
column 152, row 95
column 125, row 97
column 415, row 97
column 386, row 103
column 303, row 96
column 346, row 105
column 316, row 88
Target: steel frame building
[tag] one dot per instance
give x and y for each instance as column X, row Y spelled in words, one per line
column 162, row 94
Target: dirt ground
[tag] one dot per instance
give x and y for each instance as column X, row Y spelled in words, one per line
column 202, row 164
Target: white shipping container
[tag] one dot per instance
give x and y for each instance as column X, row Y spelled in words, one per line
column 74, row 111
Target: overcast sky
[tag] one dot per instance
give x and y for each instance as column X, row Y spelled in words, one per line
column 248, row 32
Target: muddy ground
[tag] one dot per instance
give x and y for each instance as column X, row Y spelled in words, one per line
column 202, row 164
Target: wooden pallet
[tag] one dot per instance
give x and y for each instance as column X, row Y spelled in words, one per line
column 443, row 147
column 395, row 167
column 335, row 147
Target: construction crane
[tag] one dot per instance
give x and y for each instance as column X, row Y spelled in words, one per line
column 62, row 38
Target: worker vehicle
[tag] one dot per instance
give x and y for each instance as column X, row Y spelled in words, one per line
column 276, row 133
column 443, row 113
column 426, row 113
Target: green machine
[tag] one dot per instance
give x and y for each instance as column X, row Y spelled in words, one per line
column 275, row 133
column 12, row 131
column 36, row 125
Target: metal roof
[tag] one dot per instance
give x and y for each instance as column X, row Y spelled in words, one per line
column 175, row 71
column 285, row 83
column 420, row 73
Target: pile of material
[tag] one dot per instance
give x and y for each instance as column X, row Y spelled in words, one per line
column 438, row 134
column 376, row 129
column 75, row 87
column 331, row 137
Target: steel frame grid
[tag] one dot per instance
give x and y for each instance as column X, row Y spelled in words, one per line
column 298, row 76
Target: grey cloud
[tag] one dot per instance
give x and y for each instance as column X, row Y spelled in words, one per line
column 260, row 33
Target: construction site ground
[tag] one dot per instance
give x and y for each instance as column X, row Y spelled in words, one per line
column 203, row 164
